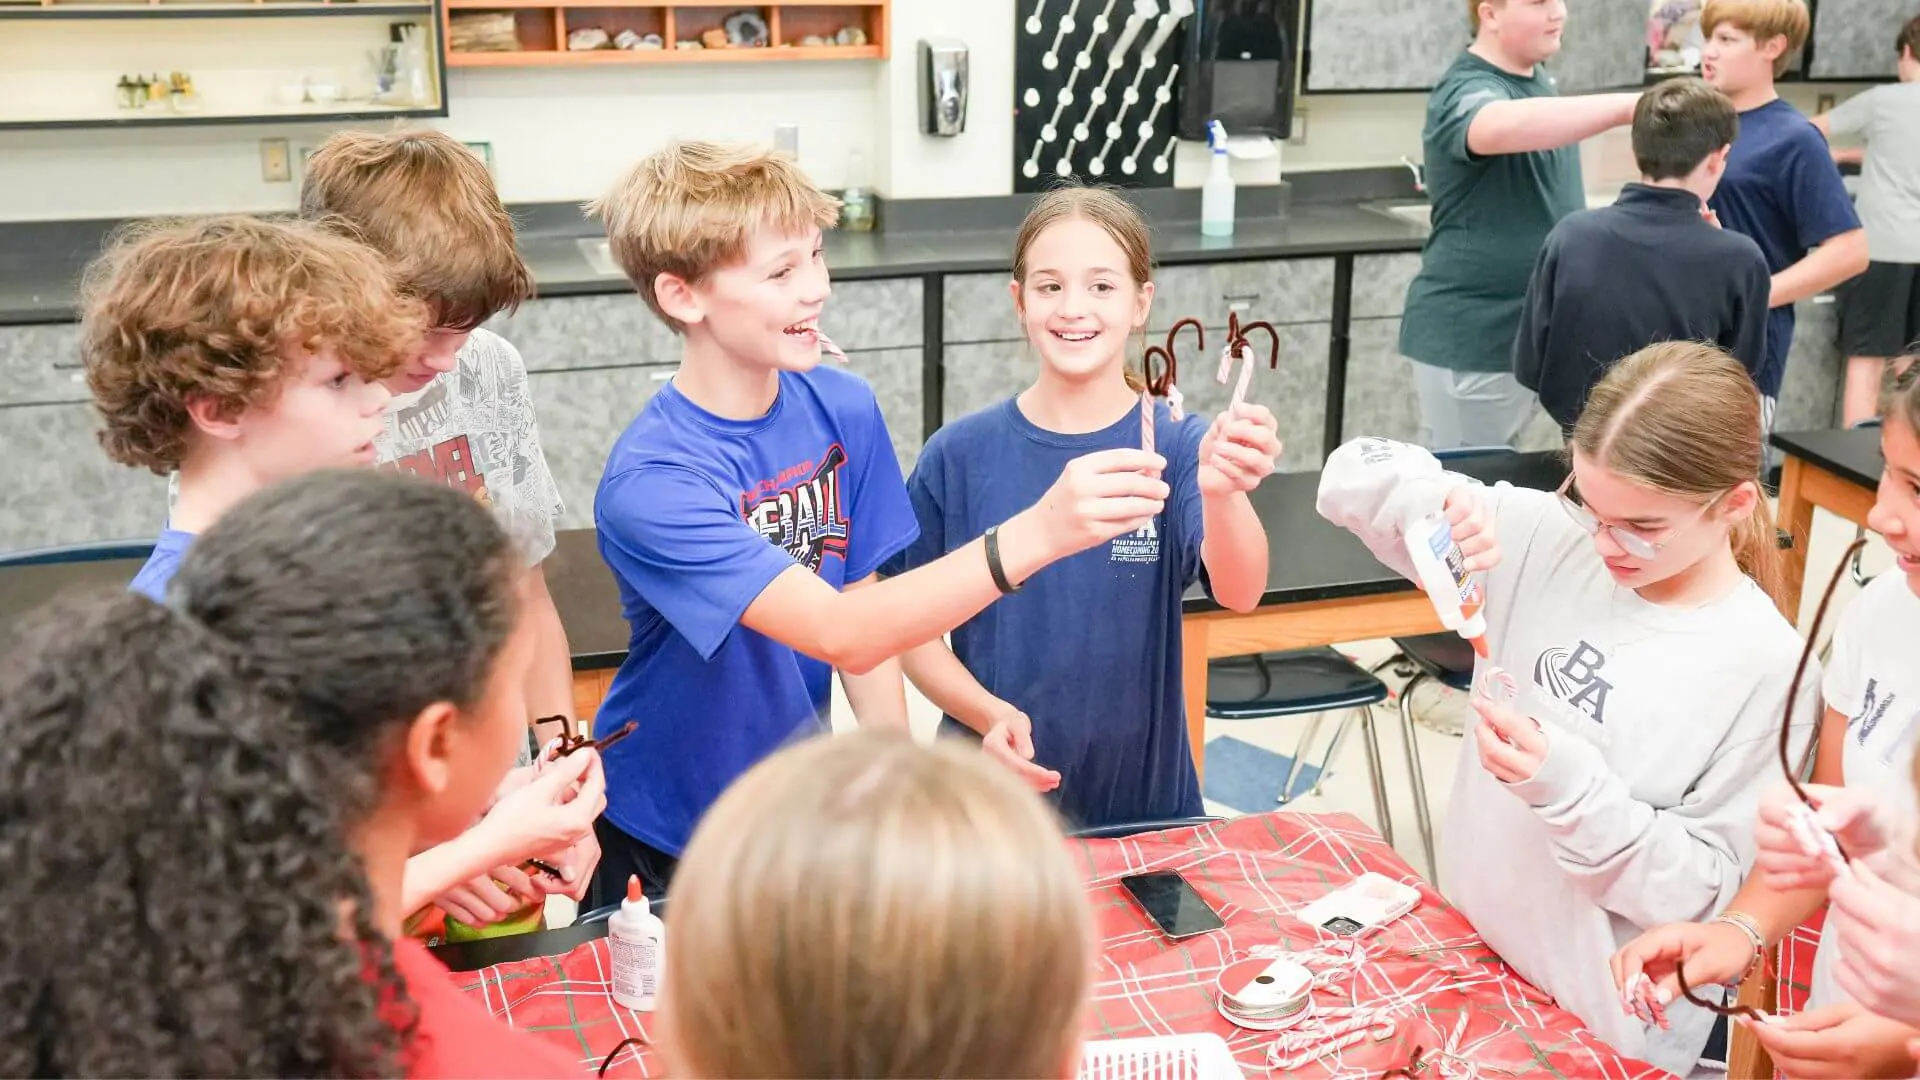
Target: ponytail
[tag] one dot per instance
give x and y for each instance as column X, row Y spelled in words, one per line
column 1756, row 547
column 176, row 865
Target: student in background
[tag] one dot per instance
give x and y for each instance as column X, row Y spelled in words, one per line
column 1880, row 309
column 462, row 412
column 746, row 511
column 1781, row 187
column 212, row 801
column 1502, row 168
column 1018, row 673
column 955, row 939
column 1633, row 609
column 236, row 352
column 1651, row 267
column 1872, row 692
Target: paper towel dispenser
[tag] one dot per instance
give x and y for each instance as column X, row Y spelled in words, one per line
column 943, row 86
column 1239, row 67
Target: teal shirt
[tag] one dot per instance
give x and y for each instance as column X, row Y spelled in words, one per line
column 1491, row 214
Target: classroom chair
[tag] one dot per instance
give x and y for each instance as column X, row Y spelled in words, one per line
column 102, row 551
column 1304, row 682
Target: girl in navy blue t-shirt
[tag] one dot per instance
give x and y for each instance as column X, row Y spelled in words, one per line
column 1075, row 682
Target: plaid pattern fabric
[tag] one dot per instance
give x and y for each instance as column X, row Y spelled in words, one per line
column 1796, row 963
column 1448, row 994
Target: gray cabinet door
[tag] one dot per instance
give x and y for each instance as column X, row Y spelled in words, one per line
column 1605, row 47
column 1854, row 39
column 1383, row 44
column 1380, row 397
column 1810, row 390
column 63, row 489
column 1275, row 290
column 41, row 364
column 581, row 413
column 978, row 374
column 1380, row 284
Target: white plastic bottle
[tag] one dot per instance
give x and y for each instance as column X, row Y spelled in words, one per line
column 1216, row 195
column 1442, row 567
column 638, row 940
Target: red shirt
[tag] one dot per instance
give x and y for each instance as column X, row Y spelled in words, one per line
column 457, row 1037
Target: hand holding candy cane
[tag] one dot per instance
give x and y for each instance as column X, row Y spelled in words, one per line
column 1238, row 348
column 1162, row 370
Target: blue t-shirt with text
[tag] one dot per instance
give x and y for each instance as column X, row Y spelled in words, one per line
column 1089, row 648
column 1783, row 190
column 168, row 550
column 696, row 515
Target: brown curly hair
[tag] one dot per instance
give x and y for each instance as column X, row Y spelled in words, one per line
column 212, row 308
column 428, row 204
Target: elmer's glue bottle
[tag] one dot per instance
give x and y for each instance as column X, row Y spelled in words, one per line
column 637, row 939
column 1442, row 567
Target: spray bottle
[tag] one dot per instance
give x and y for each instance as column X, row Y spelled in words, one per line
column 637, row 939
column 1456, row 593
column 1216, row 195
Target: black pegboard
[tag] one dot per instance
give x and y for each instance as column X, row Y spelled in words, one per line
column 1041, row 28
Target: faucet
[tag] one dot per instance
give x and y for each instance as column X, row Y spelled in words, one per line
column 1419, row 174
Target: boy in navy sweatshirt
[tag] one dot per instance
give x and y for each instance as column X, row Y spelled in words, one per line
column 1652, row 267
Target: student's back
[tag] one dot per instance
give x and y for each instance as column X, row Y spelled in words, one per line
column 1648, row 268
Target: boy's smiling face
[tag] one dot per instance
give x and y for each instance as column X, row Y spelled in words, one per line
column 764, row 310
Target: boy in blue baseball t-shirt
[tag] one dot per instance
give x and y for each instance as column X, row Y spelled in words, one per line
column 747, row 509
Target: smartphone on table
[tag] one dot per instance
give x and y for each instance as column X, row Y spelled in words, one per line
column 1172, row 903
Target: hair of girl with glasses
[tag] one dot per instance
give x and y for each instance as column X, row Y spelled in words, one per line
column 206, row 805
column 1684, row 419
column 864, row 906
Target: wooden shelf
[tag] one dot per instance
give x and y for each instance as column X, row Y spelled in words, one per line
column 542, row 28
column 242, row 10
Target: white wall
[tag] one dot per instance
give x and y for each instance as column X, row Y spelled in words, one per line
column 565, row 134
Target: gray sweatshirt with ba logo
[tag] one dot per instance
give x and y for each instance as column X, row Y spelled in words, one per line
column 1662, row 725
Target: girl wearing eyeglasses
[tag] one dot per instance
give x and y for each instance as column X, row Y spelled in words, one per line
column 1633, row 609
column 1867, row 949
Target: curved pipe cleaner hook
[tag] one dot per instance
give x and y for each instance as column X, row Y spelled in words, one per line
column 1238, row 348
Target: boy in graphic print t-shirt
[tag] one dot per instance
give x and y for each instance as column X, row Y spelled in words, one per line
column 746, row 511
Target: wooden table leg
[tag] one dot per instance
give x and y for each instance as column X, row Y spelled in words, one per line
column 1193, row 686
column 1796, row 517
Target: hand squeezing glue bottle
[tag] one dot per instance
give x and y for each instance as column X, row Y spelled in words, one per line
column 1456, row 593
column 637, row 939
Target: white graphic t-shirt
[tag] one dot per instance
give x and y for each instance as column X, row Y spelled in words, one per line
column 473, row 428
column 1872, row 679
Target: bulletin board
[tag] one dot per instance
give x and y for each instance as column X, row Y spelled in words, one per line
column 1095, row 83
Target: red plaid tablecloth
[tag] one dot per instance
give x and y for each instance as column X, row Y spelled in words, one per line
column 1796, row 963
column 1448, row 993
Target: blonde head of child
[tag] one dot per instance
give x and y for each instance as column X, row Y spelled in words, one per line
column 1667, row 452
column 1751, row 43
column 722, row 241
column 1082, row 282
column 865, row 906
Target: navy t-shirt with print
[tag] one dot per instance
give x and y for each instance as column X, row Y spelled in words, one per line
column 696, row 515
column 1783, row 190
column 1089, row 648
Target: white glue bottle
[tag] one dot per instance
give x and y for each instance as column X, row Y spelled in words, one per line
column 637, row 939
column 1216, row 195
column 1442, row 568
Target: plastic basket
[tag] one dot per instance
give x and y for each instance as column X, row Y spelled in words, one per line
column 1161, row 1057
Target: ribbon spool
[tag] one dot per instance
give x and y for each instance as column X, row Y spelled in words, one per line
column 1265, row 995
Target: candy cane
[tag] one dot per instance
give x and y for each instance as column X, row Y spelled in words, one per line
column 828, row 348
column 1238, row 349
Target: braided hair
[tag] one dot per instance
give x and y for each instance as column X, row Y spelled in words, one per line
column 178, row 785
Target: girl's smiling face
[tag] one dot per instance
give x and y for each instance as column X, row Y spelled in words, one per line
column 1896, row 507
column 1079, row 302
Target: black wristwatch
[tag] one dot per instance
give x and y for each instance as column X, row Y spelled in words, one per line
column 999, row 572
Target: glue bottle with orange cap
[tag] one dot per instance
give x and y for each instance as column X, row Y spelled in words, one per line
column 637, row 941
column 1442, row 569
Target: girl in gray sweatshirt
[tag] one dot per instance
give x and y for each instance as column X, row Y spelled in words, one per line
column 1632, row 607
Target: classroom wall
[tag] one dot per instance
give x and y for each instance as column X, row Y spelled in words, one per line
column 564, row 135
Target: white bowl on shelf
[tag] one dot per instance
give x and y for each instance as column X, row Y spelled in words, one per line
column 323, row 93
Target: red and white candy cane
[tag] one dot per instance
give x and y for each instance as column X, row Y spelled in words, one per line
column 828, row 348
column 1162, row 380
column 1239, row 349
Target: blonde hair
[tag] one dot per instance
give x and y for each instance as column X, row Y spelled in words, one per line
column 1684, row 418
column 692, row 207
column 212, row 308
column 860, row 905
column 427, row 203
column 1764, row 20
column 1104, row 207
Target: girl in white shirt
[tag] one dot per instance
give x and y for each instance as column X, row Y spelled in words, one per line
column 1617, row 793
column 1872, row 691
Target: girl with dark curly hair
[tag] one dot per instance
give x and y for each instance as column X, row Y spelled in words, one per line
column 206, row 808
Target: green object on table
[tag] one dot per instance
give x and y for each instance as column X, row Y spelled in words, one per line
column 526, row 920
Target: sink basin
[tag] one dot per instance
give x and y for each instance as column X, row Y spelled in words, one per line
column 598, row 255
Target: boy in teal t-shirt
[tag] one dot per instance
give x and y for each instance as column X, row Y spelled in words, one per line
column 1502, row 168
